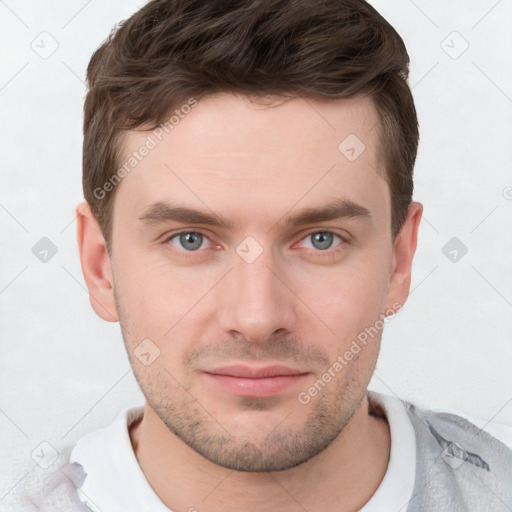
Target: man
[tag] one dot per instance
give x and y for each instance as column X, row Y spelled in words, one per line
column 249, row 222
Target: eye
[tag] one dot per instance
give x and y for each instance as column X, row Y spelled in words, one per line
column 188, row 240
column 322, row 240
column 192, row 241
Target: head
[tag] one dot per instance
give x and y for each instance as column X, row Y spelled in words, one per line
column 247, row 171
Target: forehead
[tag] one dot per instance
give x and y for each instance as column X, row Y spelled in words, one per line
column 245, row 158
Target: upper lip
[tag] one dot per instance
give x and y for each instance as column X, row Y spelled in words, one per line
column 254, row 373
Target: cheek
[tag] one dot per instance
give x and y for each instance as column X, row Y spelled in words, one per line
column 156, row 297
column 345, row 300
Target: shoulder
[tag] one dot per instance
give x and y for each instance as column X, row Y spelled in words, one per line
column 460, row 462
column 48, row 490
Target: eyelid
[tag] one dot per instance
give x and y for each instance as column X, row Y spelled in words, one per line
column 343, row 236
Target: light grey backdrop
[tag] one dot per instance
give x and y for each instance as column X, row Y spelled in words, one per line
column 64, row 371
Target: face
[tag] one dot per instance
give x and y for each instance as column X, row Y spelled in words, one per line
column 230, row 315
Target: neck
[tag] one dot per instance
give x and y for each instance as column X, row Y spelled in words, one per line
column 343, row 477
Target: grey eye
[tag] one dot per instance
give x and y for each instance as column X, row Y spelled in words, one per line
column 188, row 240
column 322, row 240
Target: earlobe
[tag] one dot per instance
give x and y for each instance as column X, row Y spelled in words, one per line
column 96, row 265
column 403, row 253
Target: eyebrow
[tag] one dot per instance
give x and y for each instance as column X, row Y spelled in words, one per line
column 161, row 212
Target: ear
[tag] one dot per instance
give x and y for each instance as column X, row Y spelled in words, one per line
column 403, row 253
column 96, row 266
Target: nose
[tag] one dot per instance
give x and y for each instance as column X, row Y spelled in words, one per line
column 255, row 300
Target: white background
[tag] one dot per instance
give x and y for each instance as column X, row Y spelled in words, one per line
column 64, row 371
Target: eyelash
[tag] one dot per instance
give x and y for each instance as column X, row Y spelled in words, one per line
column 324, row 253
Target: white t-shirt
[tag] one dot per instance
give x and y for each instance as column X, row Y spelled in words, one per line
column 115, row 481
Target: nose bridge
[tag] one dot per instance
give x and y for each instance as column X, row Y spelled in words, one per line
column 254, row 273
column 254, row 301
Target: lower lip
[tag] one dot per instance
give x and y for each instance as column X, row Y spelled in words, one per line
column 259, row 387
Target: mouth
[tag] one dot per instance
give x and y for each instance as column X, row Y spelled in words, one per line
column 249, row 381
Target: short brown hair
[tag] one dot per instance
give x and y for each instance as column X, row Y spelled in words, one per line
column 171, row 50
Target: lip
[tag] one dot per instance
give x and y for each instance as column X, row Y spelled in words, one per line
column 254, row 372
column 255, row 381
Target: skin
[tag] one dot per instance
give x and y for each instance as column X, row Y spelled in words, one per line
column 296, row 304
